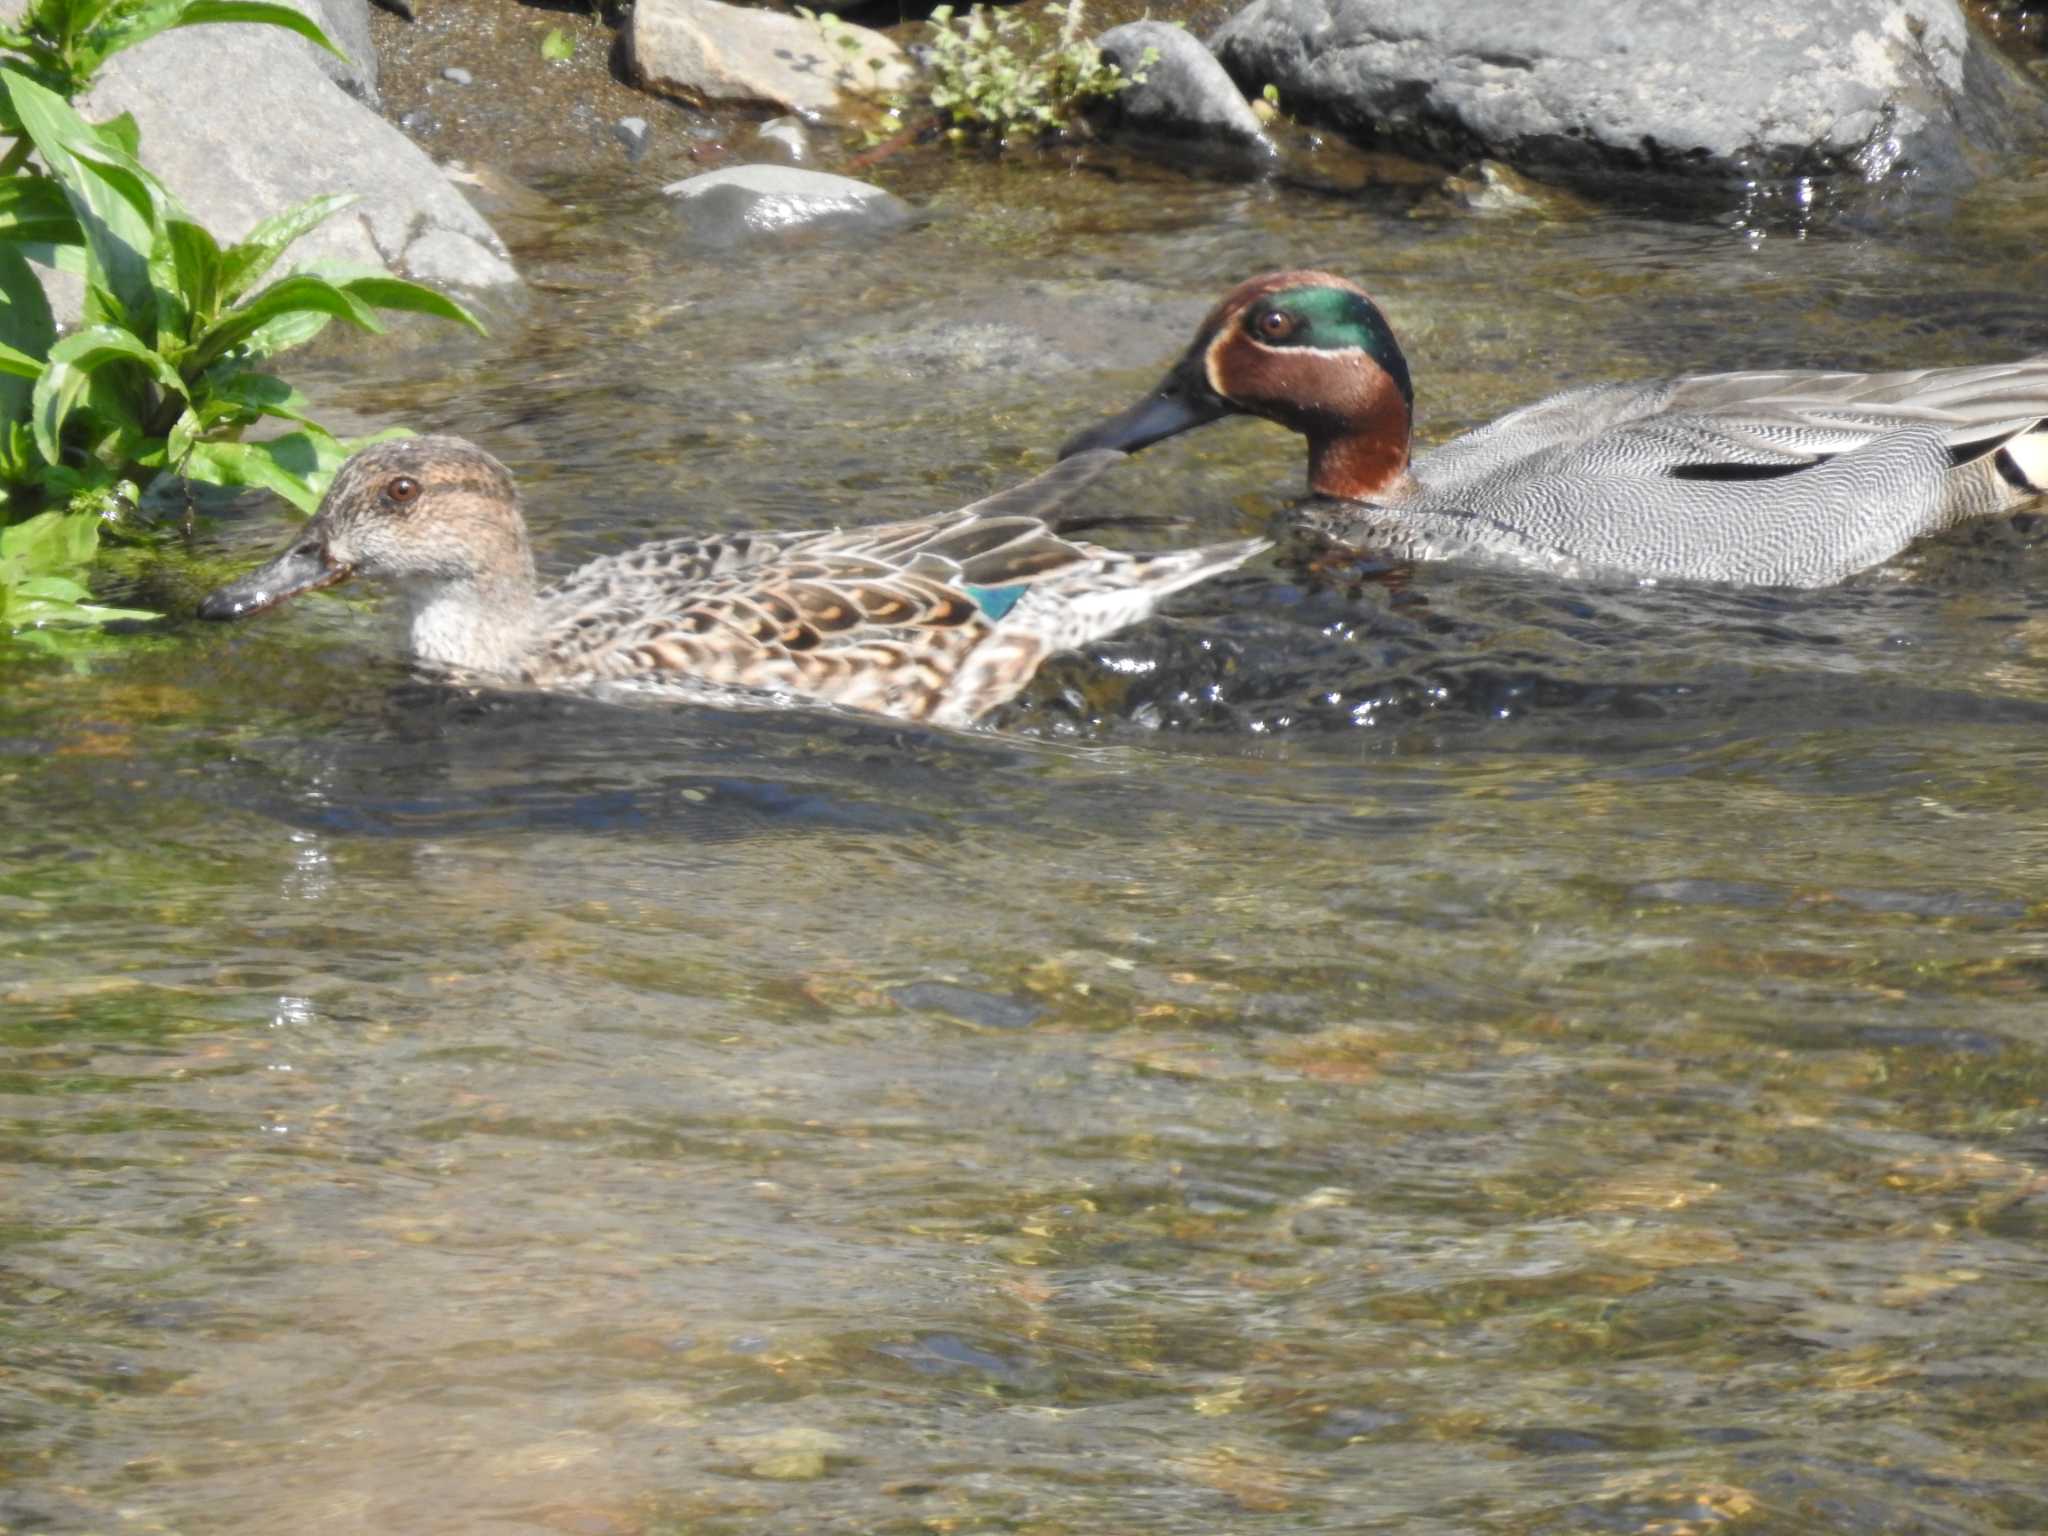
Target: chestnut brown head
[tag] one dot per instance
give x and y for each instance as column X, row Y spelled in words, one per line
column 1309, row 350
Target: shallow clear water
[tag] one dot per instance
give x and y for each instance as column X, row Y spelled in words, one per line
column 1437, row 1051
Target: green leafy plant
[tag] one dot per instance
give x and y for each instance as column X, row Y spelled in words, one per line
column 165, row 372
column 63, row 43
column 36, row 558
column 990, row 75
column 557, row 46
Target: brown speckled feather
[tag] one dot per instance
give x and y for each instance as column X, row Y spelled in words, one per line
column 936, row 619
column 933, row 619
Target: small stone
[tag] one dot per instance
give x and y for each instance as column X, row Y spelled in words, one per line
column 1491, row 187
column 793, row 1454
column 970, row 1004
column 747, row 203
column 457, row 75
column 784, row 139
column 417, row 121
column 635, row 134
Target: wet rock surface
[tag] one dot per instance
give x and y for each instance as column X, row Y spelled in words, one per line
column 286, row 133
column 705, row 51
column 1869, row 89
column 1183, row 92
column 745, row 204
column 348, row 23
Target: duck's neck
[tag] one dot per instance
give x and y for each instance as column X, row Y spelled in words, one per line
column 485, row 622
column 1366, row 459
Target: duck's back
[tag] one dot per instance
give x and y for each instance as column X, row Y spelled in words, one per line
column 932, row 619
column 1780, row 478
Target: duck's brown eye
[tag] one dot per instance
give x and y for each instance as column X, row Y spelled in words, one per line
column 1274, row 324
column 402, row 489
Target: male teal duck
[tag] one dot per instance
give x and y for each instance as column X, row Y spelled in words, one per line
column 1777, row 478
column 939, row 619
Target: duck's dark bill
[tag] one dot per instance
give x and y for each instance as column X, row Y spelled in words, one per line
column 305, row 567
column 1180, row 402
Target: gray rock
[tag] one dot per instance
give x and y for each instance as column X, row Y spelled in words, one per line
column 745, row 203
column 784, row 139
column 1184, row 93
column 635, row 134
column 239, row 124
column 348, row 23
column 455, row 74
column 704, row 51
column 1729, row 89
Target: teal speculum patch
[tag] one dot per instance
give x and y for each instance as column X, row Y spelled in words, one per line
column 995, row 602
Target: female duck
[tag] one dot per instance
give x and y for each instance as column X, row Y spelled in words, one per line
column 1768, row 478
column 940, row 619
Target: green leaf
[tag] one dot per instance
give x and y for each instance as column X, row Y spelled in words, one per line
column 89, row 44
column 183, row 434
column 287, row 297
column 557, row 46
column 58, row 258
column 397, row 293
column 113, row 197
column 26, row 330
column 61, row 588
column 124, row 133
column 260, row 394
column 19, row 365
column 247, row 261
column 34, row 209
column 285, row 465
column 27, row 610
column 284, row 333
column 199, row 13
column 185, row 266
column 73, row 363
column 226, row 406
column 50, row 541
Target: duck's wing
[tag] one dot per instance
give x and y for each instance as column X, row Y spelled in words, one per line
column 884, row 617
column 1753, row 426
column 1556, row 422
column 676, row 566
column 1993, row 418
column 1789, row 478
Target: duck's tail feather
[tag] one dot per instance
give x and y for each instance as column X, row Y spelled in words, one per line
column 1045, row 492
column 1996, row 468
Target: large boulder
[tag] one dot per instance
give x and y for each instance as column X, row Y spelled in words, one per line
column 347, row 22
column 1182, row 91
column 1729, row 89
column 240, row 124
column 706, row 52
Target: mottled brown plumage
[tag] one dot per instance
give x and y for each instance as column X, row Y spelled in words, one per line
column 937, row 619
